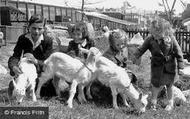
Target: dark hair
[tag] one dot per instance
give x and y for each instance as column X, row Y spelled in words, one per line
column 87, row 31
column 36, row 18
column 81, row 26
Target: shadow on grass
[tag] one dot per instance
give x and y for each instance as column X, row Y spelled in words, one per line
column 101, row 95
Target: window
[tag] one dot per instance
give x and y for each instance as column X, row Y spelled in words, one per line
column 73, row 16
column 30, row 10
column 45, row 12
column 38, row 9
column 52, row 13
column 12, row 4
column 58, row 12
column 22, row 7
column 78, row 16
column 69, row 12
column 64, row 12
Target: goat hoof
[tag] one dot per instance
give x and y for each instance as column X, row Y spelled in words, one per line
column 34, row 100
column 116, row 107
column 89, row 97
column 69, row 105
column 153, row 107
column 38, row 96
column 169, row 108
column 82, row 100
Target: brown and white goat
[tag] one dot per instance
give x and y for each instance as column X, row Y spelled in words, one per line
column 71, row 70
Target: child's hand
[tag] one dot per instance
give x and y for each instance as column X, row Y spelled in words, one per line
column 180, row 72
column 83, row 50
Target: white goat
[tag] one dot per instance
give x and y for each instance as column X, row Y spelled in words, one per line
column 25, row 81
column 115, row 77
column 71, row 70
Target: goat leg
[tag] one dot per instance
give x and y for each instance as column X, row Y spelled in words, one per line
column 124, row 100
column 72, row 93
column 114, row 95
column 33, row 95
column 88, row 93
column 81, row 96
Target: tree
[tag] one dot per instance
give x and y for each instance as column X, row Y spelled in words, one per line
column 88, row 2
column 186, row 13
column 169, row 11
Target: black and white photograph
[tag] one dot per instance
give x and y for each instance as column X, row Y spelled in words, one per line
column 94, row 59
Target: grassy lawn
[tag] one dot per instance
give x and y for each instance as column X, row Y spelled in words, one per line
column 94, row 109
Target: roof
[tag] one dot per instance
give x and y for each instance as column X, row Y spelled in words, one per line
column 106, row 17
column 113, row 12
column 186, row 21
column 12, row 9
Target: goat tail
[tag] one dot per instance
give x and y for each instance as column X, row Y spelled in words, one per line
column 48, row 67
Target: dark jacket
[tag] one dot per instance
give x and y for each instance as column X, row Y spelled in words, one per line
column 41, row 52
column 167, row 57
column 73, row 49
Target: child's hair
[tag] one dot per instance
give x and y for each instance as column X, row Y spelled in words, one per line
column 36, row 18
column 161, row 26
column 83, row 27
column 115, row 36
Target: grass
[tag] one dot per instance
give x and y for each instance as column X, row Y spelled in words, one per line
column 93, row 109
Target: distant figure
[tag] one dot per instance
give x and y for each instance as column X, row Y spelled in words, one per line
column 166, row 60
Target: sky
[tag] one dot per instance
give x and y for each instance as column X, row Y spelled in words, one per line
column 139, row 4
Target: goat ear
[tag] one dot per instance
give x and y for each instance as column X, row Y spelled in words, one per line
column 140, row 96
column 14, row 83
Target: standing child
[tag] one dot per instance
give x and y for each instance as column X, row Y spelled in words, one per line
column 166, row 60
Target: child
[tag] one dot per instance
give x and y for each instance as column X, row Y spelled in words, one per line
column 35, row 43
column 117, row 41
column 83, row 38
column 166, row 60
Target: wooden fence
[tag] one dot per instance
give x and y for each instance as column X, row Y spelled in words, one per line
column 183, row 38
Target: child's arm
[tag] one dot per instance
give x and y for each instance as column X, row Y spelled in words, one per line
column 83, row 50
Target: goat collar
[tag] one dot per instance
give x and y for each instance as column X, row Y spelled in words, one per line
column 88, row 67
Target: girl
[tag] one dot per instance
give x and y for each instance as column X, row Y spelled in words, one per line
column 83, row 38
column 166, row 60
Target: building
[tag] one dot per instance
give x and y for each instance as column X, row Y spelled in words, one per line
column 117, row 15
column 50, row 12
column 186, row 22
